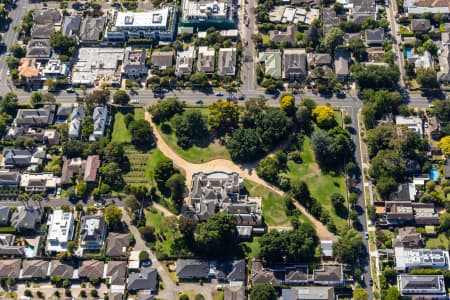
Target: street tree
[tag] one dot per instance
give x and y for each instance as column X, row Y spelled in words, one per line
column 121, row 97
column 346, row 249
column 113, row 217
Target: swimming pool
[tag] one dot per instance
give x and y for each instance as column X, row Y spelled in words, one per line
column 408, row 52
column 434, row 174
column 29, row 251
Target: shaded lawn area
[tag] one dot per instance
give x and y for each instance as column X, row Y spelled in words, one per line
column 321, row 186
column 120, row 132
column 440, row 242
column 251, row 248
column 273, row 207
column 203, row 149
column 154, row 156
column 165, row 236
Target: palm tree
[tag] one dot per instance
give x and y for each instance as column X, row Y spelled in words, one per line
column 38, row 198
column 24, row 197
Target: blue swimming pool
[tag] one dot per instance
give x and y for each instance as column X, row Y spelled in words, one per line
column 408, row 52
column 434, row 174
column 29, row 251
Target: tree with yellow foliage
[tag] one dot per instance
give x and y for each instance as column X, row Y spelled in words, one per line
column 444, row 144
column 223, row 116
column 287, row 103
column 324, row 116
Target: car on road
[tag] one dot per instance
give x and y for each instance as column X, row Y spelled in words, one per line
column 133, row 92
column 134, row 101
column 70, row 90
column 341, row 94
column 241, row 97
column 8, row 72
column 366, row 235
column 199, row 101
column 6, row 28
column 370, row 281
column 7, row 54
column 98, row 205
column 219, row 94
column 146, row 263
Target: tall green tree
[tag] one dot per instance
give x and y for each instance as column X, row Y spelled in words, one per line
column 346, row 249
column 217, row 236
column 263, row 292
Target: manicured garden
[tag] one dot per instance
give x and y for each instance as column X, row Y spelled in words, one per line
column 203, row 149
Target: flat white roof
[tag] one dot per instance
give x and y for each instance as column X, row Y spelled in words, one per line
column 60, row 230
column 156, row 18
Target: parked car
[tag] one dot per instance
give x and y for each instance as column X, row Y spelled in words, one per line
column 98, row 205
column 8, row 72
column 366, row 235
column 70, row 90
column 134, row 101
column 199, row 101
column 241, row 97
column 146, row 263
column 219, row 94
column 370, row 281
column 7, row 54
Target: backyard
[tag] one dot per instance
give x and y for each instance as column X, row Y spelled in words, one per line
column 440, row 242
column 203, row 150
column 321, row 185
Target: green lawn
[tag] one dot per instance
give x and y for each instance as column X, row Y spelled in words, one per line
column 440, row 242
column 321, row 186
column 120, row 132
column 204, row 150
column 274, row 210
column 165, row 234
column 251, row 249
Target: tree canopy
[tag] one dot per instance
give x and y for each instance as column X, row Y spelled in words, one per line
column 166, row 109
column 113, row 217
column 263, row 292
column 141, row 133
column 296, row 245
column 223, row 116
column 190, row 127
column 217, row 236
column 324, row 116
column 346, row 249
column 376, row 77
column 121, row 97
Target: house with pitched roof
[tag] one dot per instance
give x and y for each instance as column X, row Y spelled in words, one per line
column 26, row 218
column 227, row 62
column 294, row 64
column 192, row 269
column 35, row 269
column 101, row 117
column 145, row 279
column 272, row 62
column 61, row 269
column 92, row 232
column 117, row 244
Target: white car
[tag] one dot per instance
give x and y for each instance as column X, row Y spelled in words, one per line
column 98, row 205
column 8, row 72
column 135, row 101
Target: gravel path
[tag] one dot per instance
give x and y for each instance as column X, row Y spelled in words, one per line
column 247, row 171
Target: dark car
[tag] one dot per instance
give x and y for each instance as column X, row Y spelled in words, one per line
column 371, row 281
column 199, row 101
column 133, row 92
column 241, row 97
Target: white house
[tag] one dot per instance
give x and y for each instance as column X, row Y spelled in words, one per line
column 60, row 230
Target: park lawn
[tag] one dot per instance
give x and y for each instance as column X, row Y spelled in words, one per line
column 154, row 157
column 205, row 150
column 120, row 132
column 321, row 186
column 165, row 235
column 273, row 208
column 440, row 242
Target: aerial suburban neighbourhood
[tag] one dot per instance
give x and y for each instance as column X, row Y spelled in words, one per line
column 225, row 149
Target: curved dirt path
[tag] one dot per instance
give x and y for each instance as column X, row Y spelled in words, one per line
column 247, row 171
